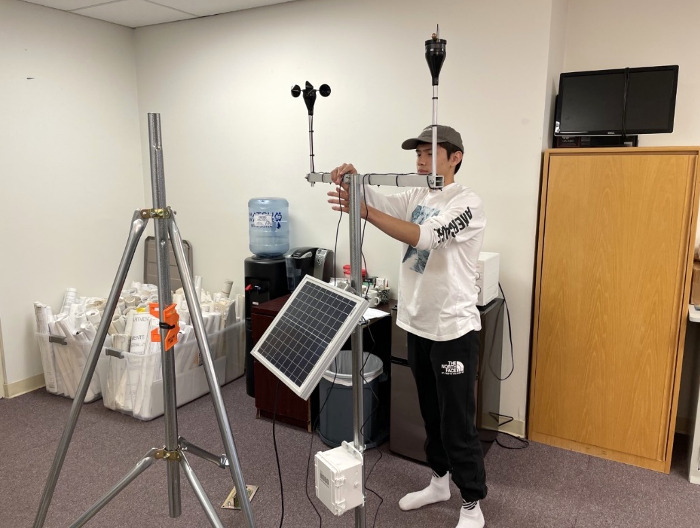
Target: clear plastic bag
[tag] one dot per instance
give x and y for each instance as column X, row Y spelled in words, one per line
column 133, row 384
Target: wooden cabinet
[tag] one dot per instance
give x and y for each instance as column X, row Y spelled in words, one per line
column 614, row 260
column 291, row 409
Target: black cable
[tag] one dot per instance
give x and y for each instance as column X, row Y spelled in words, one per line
column 510, row 338
column 311, row 444
column 493, row 343
column 624, row 105
column 337, row 231
column 362, row 239
column 524, row 443
column 315, row 424
column 274, row 441
column 381, row 499
column 335, row 374
column 364, row 382
column 497, row 416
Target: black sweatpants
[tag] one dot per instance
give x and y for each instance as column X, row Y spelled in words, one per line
column 445, row 374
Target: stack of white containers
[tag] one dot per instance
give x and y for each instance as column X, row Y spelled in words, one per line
column 129, row 373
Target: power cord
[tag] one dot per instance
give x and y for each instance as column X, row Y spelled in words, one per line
column 274, row 441
column 624, row 105
column 381, row 499
column 362, row 238
column 337, row 231
column 523, row 443
column 311, row 444
column 510, row 338
column 335, row 374
column 364, row 382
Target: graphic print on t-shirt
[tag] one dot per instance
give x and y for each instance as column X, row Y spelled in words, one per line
column 420, row 214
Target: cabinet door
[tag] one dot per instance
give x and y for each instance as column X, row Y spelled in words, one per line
column 613, row 266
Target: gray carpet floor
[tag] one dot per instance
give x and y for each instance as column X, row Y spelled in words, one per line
column 537, row 487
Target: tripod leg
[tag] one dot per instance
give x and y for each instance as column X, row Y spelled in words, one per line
column 203, row 342
column 209, row 510
column 138, row 225
column 143, row 464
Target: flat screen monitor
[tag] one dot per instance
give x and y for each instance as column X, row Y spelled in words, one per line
column 627, row 101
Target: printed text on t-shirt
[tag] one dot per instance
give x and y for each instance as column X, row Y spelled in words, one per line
column 454, row 227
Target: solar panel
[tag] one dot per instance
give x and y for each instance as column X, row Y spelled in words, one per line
column 307, row 334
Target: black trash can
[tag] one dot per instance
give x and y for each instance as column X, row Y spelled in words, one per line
column 335, row 389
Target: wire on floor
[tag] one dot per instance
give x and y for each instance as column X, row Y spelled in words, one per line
column 311, row 444
column 376, row 408
column 522, row 443
column 381, row 499
column 274, row 441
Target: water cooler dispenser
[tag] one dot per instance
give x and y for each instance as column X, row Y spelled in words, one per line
column 266, row 271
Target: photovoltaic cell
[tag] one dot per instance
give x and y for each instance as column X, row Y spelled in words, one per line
column 307, row 333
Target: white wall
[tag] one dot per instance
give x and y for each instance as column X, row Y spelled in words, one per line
column 70, row 164
column 603, row 34
column 232, row 131
column 557, row 49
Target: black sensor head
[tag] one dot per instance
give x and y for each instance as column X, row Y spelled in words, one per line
column 435, row 53
column 310, row 94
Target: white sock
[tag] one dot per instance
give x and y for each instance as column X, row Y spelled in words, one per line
column 471, row 518
column 438, row 490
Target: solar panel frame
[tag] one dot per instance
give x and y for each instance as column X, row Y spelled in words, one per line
column 289, row 347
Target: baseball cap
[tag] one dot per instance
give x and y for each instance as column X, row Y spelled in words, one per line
column 445, row 134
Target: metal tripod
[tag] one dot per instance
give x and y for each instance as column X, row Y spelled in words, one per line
column 175, row 446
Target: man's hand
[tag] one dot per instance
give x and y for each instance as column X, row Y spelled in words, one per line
column 406, row 232
column 341, row 197
column 338, row 173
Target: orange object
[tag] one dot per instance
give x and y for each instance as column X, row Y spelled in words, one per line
column 170, row 317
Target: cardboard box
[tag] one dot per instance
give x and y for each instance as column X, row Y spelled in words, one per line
column 695, row 284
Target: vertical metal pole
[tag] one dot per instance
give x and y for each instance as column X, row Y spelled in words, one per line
column 435, row 110
column 357, row 348
column 208, row 363
column 164, row 300
column 138, row 225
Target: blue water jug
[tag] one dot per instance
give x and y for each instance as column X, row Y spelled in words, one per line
column 268, row 219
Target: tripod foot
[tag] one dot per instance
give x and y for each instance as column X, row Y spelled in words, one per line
column 232, row 502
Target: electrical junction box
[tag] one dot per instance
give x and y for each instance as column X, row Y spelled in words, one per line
column 339, row 478
column 487, row 278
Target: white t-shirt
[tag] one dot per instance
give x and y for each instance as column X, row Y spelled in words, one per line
column 437, row 279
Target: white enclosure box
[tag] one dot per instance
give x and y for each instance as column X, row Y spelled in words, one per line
column 339, row 478
column 487, row 277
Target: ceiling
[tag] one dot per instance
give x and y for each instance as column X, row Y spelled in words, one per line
column 138, row 13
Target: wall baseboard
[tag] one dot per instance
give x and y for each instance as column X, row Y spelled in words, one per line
column 516, row 428
column 24, row 386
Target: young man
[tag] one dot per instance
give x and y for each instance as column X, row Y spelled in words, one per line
column 442, row 232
